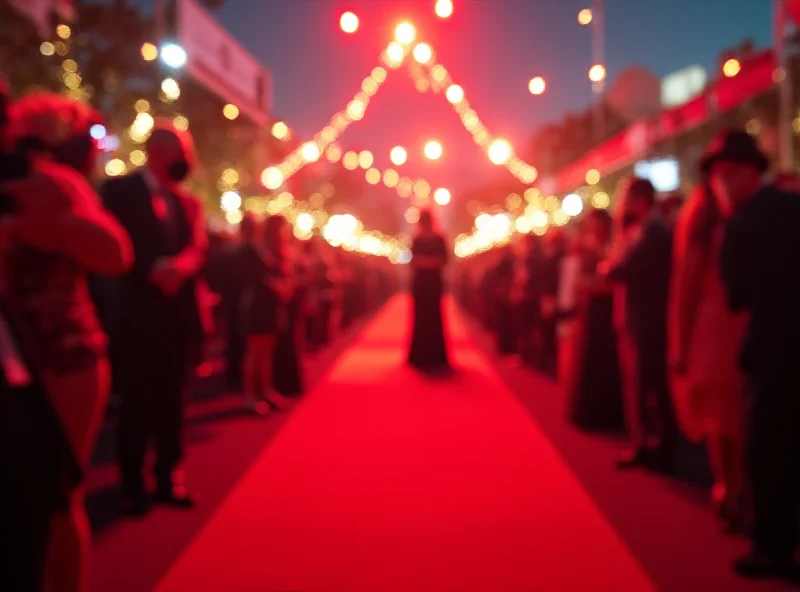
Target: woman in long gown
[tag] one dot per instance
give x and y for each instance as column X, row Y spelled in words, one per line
column 704, row 341
column 428, row 350
column 288, row 375
column 595, row 393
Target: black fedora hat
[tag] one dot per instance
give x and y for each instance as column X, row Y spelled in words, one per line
column 734, row 146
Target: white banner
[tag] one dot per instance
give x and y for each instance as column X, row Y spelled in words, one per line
column 40, row 11
column 217, row 61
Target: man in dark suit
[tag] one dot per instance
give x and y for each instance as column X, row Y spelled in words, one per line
column 759, row 268
column 644, row 270
column 162, row 317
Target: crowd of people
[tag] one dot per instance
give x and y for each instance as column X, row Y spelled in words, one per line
column 673, row 319
column 114, row 293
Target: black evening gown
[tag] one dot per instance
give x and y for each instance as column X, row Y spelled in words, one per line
column 288, row 372
column 595, row 400
column 428, row 350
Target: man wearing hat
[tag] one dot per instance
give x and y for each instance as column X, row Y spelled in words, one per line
column 760, row 271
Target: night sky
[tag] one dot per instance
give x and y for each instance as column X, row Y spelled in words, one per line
column 491, row 47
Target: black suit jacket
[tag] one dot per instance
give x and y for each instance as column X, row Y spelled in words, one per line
column 645, row 272
column 761, row 273
column 144, row 310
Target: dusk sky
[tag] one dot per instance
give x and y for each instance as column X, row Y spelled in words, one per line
column 491, row 47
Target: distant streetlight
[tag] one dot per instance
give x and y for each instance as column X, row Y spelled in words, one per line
column 349, row 22
column 444, row 8
column 405, row 33
column 537, row 85
column 597, row 73
column 433, row 150
column 173, row 55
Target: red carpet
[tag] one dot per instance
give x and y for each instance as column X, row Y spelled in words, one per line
column 384, row 480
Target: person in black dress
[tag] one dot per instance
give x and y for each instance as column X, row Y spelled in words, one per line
column 288, row 375
column 595, row 396
column 264, row 313
column 429, row 256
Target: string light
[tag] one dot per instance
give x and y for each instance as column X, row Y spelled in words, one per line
column 441, row 196
column 423, row 53
column 405, row 33
column 433, row 150
column 398, row 155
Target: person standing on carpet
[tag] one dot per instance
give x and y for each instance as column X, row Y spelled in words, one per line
column 164, row 318
column 428, row 350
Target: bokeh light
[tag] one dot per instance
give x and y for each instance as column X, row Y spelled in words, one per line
column 171, row 88
column 454, row 94
column 391, row 178
column 149, row 52
column 731, row 68
column 444, row 8
column 423, row 53
column 349, row 22
column 592, row 177
column 585, row 16
column 441, row 196
column 230, row 111
column 230, row 201
column 597, row 73
column 395, row 54
column 280, row 130
column 272, row 178
column 115, row 168
column 405, row 33
column 433, row 150
column 398, row 155
column 365, row 159
column 173, row 55
column 537, row 85
column 310, row 152
column 47, row 48
column 571, row 206
column 499, row 152
column 412, row 215
column 350, row 161
column 373, row 176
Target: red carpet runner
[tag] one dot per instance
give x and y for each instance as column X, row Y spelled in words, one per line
column 384, row 480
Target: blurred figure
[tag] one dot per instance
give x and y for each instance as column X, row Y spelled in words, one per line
column 670, row 208
column 265, row 313
column 288, row 375
column 549, row 279
column 163, row 318
column 644, row 270
column 595, row 399
column 503, row 278
column 54, row 235
column 569, row 275
column 762, row 278
column 233, row 294
column 704, row 341
column 428, row 350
